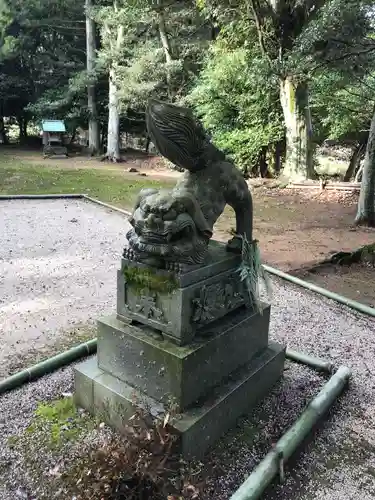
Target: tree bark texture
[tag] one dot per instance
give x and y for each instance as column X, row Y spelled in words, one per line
column 22, row 124
column 94, row 134
column 275, row 153
column 3, row 136
column 355, row 160
column 113, row 141
column 358, row 175
column 164, row 38
column 366, row 203
column 3, row 133
column 166, row 47
column 294, row 100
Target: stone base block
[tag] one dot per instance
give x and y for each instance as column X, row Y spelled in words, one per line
column 141, row 357
column 198, row 427
column 180, row 305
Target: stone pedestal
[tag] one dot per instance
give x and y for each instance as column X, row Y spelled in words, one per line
column 181, row 305
column 188, row 338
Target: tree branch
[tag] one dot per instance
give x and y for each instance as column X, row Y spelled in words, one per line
column 160, row 6
column 343, row 57
column 365, row 43
column 254, row 6
column 343, row 105
column 360, row 96
column 39, row 24
column 164, row 37
column 363, row 82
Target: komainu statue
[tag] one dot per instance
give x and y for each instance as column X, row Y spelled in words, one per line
column 172, row 228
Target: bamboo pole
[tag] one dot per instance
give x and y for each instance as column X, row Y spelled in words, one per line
column 49, row 365
column 274, row 461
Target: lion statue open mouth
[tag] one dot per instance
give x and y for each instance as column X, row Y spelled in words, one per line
column 166, row 225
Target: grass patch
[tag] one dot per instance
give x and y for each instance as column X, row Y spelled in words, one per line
column 65, row 450
column 114, row 187
column 57, row 423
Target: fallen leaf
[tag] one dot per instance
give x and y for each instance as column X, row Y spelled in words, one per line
column 166, row 419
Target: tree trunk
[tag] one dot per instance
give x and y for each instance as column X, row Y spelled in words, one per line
column 113, row 136
column 24, row 127
column 358, row 175
column 164, row 38
column 3, row 134
column 73, row 136
column 94, row 135
column 21, row 126
column 354, row 161
column 275, row 153
column 263, row 165
column 279, row 155
column 103, row 138
column 147, row 147
column 366, row 203
column 294, row 98
column 113, row 141
column 166, row 47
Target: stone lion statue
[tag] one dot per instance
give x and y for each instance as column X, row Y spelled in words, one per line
column 173, row 228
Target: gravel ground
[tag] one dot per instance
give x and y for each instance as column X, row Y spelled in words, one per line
column 58, row 262
column 338, row 464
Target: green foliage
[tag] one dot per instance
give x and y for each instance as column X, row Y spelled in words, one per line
column 39, row 56
column 231, row 80
column 244, row 146
column 252, row 272
column 143, row 76
column 342, row 105
column 237, row 101
column 336, row 37
column 294, row 39
column 141, row 69
column 143, row 280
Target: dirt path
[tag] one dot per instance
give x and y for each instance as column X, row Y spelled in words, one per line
column 355, row 282
column 296, row 228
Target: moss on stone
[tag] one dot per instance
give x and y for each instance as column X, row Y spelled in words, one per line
column 365, row 254
column 367, row 250
column 146, row 279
